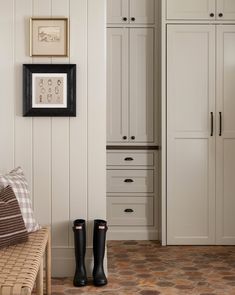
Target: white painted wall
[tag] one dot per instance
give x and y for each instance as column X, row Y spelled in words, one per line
column 63, row 158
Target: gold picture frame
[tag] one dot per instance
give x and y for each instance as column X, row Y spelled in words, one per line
column 49, row 37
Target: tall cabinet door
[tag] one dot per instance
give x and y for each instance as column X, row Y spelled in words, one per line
column 225, row 147
column 227, row 8
column 142, row 11
column 190, row 134
column 117, row 11
column 117, row 84
column 142, row 84
column 191, row 9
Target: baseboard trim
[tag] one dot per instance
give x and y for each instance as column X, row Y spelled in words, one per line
column 138, row 235
column 63, row 262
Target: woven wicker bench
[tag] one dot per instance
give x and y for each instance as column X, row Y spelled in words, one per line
column 22, row 264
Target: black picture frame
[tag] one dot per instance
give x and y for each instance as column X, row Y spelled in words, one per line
column 65, row 103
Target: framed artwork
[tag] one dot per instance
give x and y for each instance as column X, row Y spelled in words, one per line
column 49, row 37
column 49, row 90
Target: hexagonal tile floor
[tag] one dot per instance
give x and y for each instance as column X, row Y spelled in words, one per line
column 146, row 268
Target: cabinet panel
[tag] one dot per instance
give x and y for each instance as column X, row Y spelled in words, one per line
column 130, row 159
column 190, row 146
column 117, row 84
column 142, row 84
column 130, row 211
column 129, row 181
column 117, row 10
column 225, row 145
column 227, row 8
column 190, row 9
column 143, row 11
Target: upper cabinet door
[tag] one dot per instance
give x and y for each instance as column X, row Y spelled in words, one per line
column 192, row 9
column 117, row 85
column 226, row 9
column 118, row 11
column 142, row 85
column 142, row 11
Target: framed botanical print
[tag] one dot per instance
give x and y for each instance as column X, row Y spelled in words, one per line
column 49, row 37
column 49, row 90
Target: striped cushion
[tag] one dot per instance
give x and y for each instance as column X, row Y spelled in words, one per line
column 19, row 184
column 12, row 227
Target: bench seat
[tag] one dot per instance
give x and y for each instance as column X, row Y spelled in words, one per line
column 22, row 265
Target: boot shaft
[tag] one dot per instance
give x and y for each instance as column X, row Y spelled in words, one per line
column 99, row 237
column 79, row 229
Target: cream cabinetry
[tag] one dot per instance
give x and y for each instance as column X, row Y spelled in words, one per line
column 191, row 148
column 200, row 9
column 132, row 194
column 225, row 135
column 130, row 85
column 130, row 11
column 132, row 131
column 200, row 79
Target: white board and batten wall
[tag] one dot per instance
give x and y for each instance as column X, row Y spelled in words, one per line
column 63, row 158
column 198, row 75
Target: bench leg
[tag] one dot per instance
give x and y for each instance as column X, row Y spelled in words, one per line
column 39, row 283
column 48, row 266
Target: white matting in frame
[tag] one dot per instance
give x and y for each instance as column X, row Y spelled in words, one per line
column 49, row 90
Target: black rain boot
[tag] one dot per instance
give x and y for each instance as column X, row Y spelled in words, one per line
column 79, row 228
column 100, row 228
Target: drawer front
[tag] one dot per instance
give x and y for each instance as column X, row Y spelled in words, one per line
column 130, row 181
column 130, row 211
column 130, row 159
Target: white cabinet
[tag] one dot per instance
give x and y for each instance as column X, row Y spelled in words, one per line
column 132, row 194
column 130, row 11
column 225, row 139
column 130, row 85
column 200, row 134
column 117, row 84
column 190, row 9
column 200, row 9
column 142, row 85
column 226, row 9
column 191, row 148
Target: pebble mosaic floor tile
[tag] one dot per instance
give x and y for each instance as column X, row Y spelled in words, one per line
column 146, row 268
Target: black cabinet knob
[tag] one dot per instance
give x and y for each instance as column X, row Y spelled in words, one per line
column 124, row 137
column 133, row 137
column 128, row 180
column 129, row 159
column 132, row 19
column 129, row 210
column 212, row 15
column 221, row 15
column 124, row 19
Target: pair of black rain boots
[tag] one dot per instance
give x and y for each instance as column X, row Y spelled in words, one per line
column 99, row 236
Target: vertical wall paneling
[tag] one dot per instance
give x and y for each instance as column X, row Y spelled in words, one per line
column 7, row 79
column 42, row 170
column 41, row 159
column 96, row 109
column 78, row 125
column 23, row 126
column 60, row 158
column 52, row 151
column 60, row 182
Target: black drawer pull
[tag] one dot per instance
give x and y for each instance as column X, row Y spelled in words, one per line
column 128, row 180
column 129, row 159
column 129, row 210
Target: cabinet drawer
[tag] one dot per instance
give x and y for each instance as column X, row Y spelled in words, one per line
column 130, row 211
column 130, row 159
column 129, row 181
